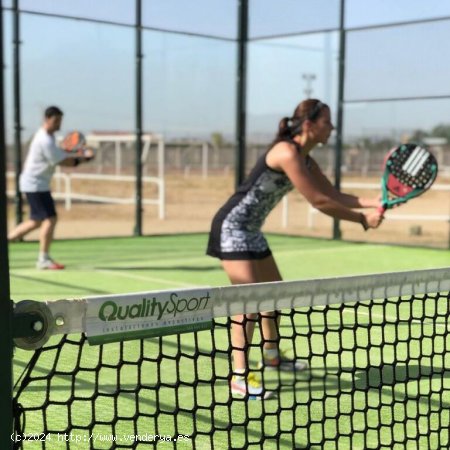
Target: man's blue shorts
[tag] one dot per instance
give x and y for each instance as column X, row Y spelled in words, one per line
column 41, row 204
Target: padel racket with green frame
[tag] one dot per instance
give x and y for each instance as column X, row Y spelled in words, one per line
column 409, row 170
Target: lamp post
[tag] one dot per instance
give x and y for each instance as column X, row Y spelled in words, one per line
column 309, row 78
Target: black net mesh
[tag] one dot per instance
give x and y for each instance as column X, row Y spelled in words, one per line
column 378, row 377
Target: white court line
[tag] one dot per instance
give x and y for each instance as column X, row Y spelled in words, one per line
column 145, row 278
column 170, row 261
column 170, row 283
column 123, row 274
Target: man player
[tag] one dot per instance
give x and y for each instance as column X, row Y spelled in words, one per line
column 43, row 157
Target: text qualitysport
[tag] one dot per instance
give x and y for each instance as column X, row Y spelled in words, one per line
column 152, row 307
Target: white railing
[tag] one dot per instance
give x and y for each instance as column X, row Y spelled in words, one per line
column 312, row 212
column 64, row 190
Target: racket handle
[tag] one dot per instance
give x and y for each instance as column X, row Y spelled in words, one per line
column 381, row 209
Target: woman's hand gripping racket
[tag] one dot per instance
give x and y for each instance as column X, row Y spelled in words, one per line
column 409, row 170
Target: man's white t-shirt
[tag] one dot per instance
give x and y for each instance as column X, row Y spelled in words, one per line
column 42, row 159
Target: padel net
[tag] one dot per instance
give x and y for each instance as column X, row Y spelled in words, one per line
column 376, row 347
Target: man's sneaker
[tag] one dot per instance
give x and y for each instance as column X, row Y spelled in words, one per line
column 49, row 264
column 250, row 388
column 283, row 363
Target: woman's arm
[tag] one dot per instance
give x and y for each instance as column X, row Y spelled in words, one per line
column 286, row 158
column 348, row 200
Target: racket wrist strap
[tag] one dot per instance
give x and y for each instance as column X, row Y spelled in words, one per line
column 363, row 221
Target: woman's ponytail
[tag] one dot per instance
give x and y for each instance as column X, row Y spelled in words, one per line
column 289, row 127
column 284, row 130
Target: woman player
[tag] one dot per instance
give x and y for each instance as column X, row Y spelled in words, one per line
column 236, row 237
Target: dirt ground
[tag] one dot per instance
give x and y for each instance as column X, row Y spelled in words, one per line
column 192, row 201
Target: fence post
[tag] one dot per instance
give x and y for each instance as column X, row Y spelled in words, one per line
column 6, row 347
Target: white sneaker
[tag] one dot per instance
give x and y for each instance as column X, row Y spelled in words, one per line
column 283, row 363
column 49, row 264
column 250, row 388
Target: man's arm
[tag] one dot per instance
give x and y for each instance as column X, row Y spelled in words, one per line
column 69, row 162
column 74, row 159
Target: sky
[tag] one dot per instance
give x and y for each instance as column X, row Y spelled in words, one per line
column 190, row 81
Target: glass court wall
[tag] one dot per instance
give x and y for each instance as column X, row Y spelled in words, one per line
column 83, row 57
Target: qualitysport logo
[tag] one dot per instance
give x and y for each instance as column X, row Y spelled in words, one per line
column 153, row 307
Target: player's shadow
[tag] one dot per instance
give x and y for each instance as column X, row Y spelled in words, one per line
column 400, row 381
column 338, row 327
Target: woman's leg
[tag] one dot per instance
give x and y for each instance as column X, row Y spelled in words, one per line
column 245, row 272
column 267, row 271
column 243, row 326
